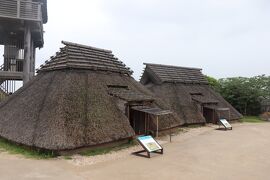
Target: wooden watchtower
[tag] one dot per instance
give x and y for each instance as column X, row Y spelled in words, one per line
column 21, row 32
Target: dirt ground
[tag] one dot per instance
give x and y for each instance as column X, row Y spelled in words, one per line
column 200, row 153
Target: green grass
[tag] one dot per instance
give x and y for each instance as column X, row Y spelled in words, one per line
column 11, row 148
column 105, row 150
column 252, row 119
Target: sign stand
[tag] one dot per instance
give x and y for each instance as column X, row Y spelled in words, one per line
column 150, row 145
column 226, row 124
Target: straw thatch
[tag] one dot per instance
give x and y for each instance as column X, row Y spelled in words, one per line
column 187, row 91
column 74, row 101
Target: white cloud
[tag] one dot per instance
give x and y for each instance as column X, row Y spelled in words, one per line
column 224, row 37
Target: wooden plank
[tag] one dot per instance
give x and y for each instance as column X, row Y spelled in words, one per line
column 11, row 75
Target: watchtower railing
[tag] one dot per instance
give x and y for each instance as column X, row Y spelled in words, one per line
column 3, row 95
column 21, row 9
column 7, row 88
column 14, row 65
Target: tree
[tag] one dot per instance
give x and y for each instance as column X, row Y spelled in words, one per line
column 245, row 93
column 214, row 83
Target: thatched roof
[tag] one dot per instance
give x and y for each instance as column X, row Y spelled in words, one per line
column 183, row 92
column 165, row 73
column 79, row 56
column 74, row 104
column 126, row 94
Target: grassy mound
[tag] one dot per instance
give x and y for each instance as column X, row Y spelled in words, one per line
column 12, row 148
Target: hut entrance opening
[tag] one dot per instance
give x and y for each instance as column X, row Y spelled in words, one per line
column 209, row 115
column 208, row 106
column 145, row 120
column 213, row 115
column 138, row 121
column 131, row 102
column 223, row 113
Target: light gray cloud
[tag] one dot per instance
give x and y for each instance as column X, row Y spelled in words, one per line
column 224, row 37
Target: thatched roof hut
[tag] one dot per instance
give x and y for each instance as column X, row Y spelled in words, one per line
column 82, row 97
column 188, row 93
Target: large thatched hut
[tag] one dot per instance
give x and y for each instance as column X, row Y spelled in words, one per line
column 188, row 93
column 83, row 96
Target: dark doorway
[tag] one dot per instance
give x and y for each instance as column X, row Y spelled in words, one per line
column 209, row 115
column 137, row 121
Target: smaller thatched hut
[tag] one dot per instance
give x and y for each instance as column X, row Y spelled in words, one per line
column 83, row 96
column 188, row 93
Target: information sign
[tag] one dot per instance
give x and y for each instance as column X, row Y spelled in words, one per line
column 225, row 123
column 149, row 143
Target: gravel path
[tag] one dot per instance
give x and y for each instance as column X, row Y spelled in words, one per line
column 194, row 154
column 183, row 134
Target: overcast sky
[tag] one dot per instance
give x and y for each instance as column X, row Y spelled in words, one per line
column 225, row 38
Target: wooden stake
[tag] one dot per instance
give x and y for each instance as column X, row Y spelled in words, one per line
column 157, row 127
